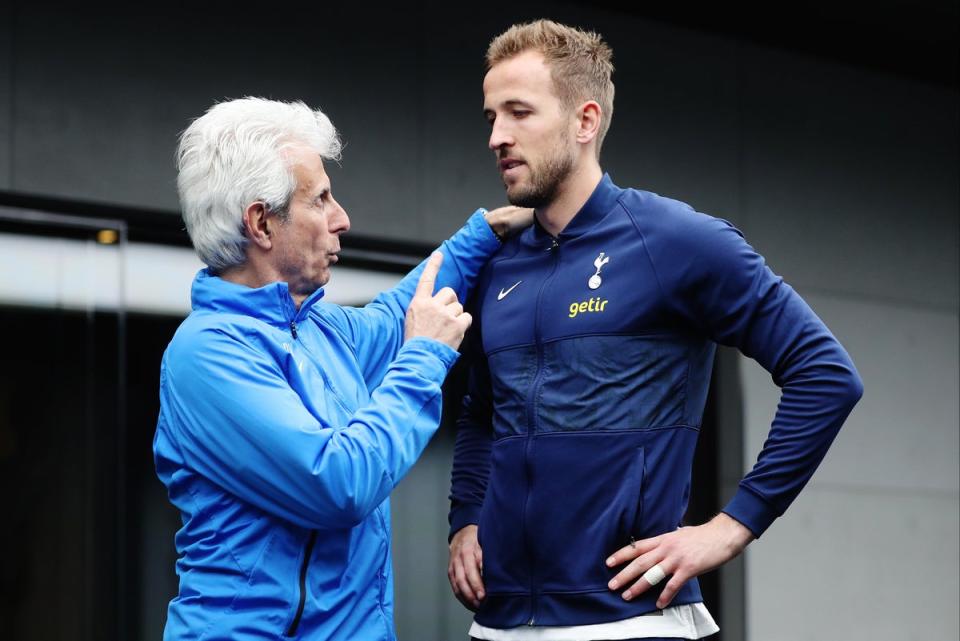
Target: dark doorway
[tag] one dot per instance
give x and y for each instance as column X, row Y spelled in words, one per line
column 89, row 533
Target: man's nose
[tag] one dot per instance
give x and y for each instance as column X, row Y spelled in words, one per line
column 499, row 137
column 340, row 221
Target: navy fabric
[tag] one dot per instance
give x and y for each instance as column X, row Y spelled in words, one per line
column 591, row 357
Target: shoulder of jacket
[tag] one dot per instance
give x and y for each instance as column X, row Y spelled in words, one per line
column 668, row 216
column 201, row 331
column 638, row 201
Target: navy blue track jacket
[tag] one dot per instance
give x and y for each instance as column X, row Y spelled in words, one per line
column 587, row 392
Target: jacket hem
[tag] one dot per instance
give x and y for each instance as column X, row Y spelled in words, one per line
column 574, row 608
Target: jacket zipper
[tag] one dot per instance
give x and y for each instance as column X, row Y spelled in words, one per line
column 381, row 579
column 334, row 392
column 292, row 630
column 531, row 425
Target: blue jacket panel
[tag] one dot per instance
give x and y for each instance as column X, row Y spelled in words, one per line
column 588, row 386
column 281, row 434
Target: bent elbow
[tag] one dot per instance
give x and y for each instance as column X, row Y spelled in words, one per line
column 854, row 389
column 347, row 493
column 342, row 513
column 356, row 512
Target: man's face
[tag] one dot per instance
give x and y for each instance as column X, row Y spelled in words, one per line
column 307, row 243
column 532, row 134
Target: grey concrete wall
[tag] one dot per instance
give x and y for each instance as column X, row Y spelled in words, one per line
column 876, row 531
column 845, row 179
column 850, row 190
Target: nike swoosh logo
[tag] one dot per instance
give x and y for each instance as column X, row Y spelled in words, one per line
column 503, row 294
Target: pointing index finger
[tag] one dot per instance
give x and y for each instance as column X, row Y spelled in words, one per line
column 428, row 277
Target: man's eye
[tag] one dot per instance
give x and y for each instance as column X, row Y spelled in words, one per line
column 520, row 113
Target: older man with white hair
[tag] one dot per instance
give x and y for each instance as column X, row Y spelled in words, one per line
column 286, row 421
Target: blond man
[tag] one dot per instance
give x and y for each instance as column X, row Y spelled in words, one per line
column 597, row 330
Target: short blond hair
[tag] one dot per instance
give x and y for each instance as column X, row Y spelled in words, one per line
column 580, row 62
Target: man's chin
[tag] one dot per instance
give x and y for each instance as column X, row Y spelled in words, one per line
column 307, row 288
column 525, row 198
column 514, row 193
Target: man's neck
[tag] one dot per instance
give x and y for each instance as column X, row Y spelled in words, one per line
column 252, row 274
column 571, row 196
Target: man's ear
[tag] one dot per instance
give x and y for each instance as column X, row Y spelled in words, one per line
column 256, row 225
column 589, row 115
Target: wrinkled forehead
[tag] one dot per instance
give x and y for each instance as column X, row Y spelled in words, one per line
column 308, row 169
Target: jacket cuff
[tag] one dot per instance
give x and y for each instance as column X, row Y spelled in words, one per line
column 754, row 512
column 484, row 233
column 461, row 517
column 440, row 357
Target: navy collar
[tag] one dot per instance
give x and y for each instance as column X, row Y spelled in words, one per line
column 601, row 201
column 271, row 303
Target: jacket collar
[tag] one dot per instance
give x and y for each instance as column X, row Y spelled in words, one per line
column 271, row 303
column 601, row 201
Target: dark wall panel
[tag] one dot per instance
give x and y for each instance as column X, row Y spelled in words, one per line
column 851, row 179
column 7, row 49
column 101, row 97
column 675, row 124
column 59, row 471
column 128, row 81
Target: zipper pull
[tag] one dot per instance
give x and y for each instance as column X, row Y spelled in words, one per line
column 293, row 329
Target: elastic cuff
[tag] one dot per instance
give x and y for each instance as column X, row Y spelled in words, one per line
column 478, row 225
column 441, row 352
column 754, row 512
column 461, row 517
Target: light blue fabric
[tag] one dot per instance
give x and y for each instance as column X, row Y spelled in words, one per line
column 281, row 434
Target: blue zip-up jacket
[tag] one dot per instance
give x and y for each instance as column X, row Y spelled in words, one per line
column 587, row 393
column 281, row 434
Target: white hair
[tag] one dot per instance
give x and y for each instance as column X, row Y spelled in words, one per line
column 232, row 156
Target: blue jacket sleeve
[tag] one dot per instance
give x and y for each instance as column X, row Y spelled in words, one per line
column 719, row 284
column 240, row 425
column 376, row 330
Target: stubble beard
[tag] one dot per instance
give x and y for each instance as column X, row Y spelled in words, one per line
column 545, row 181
